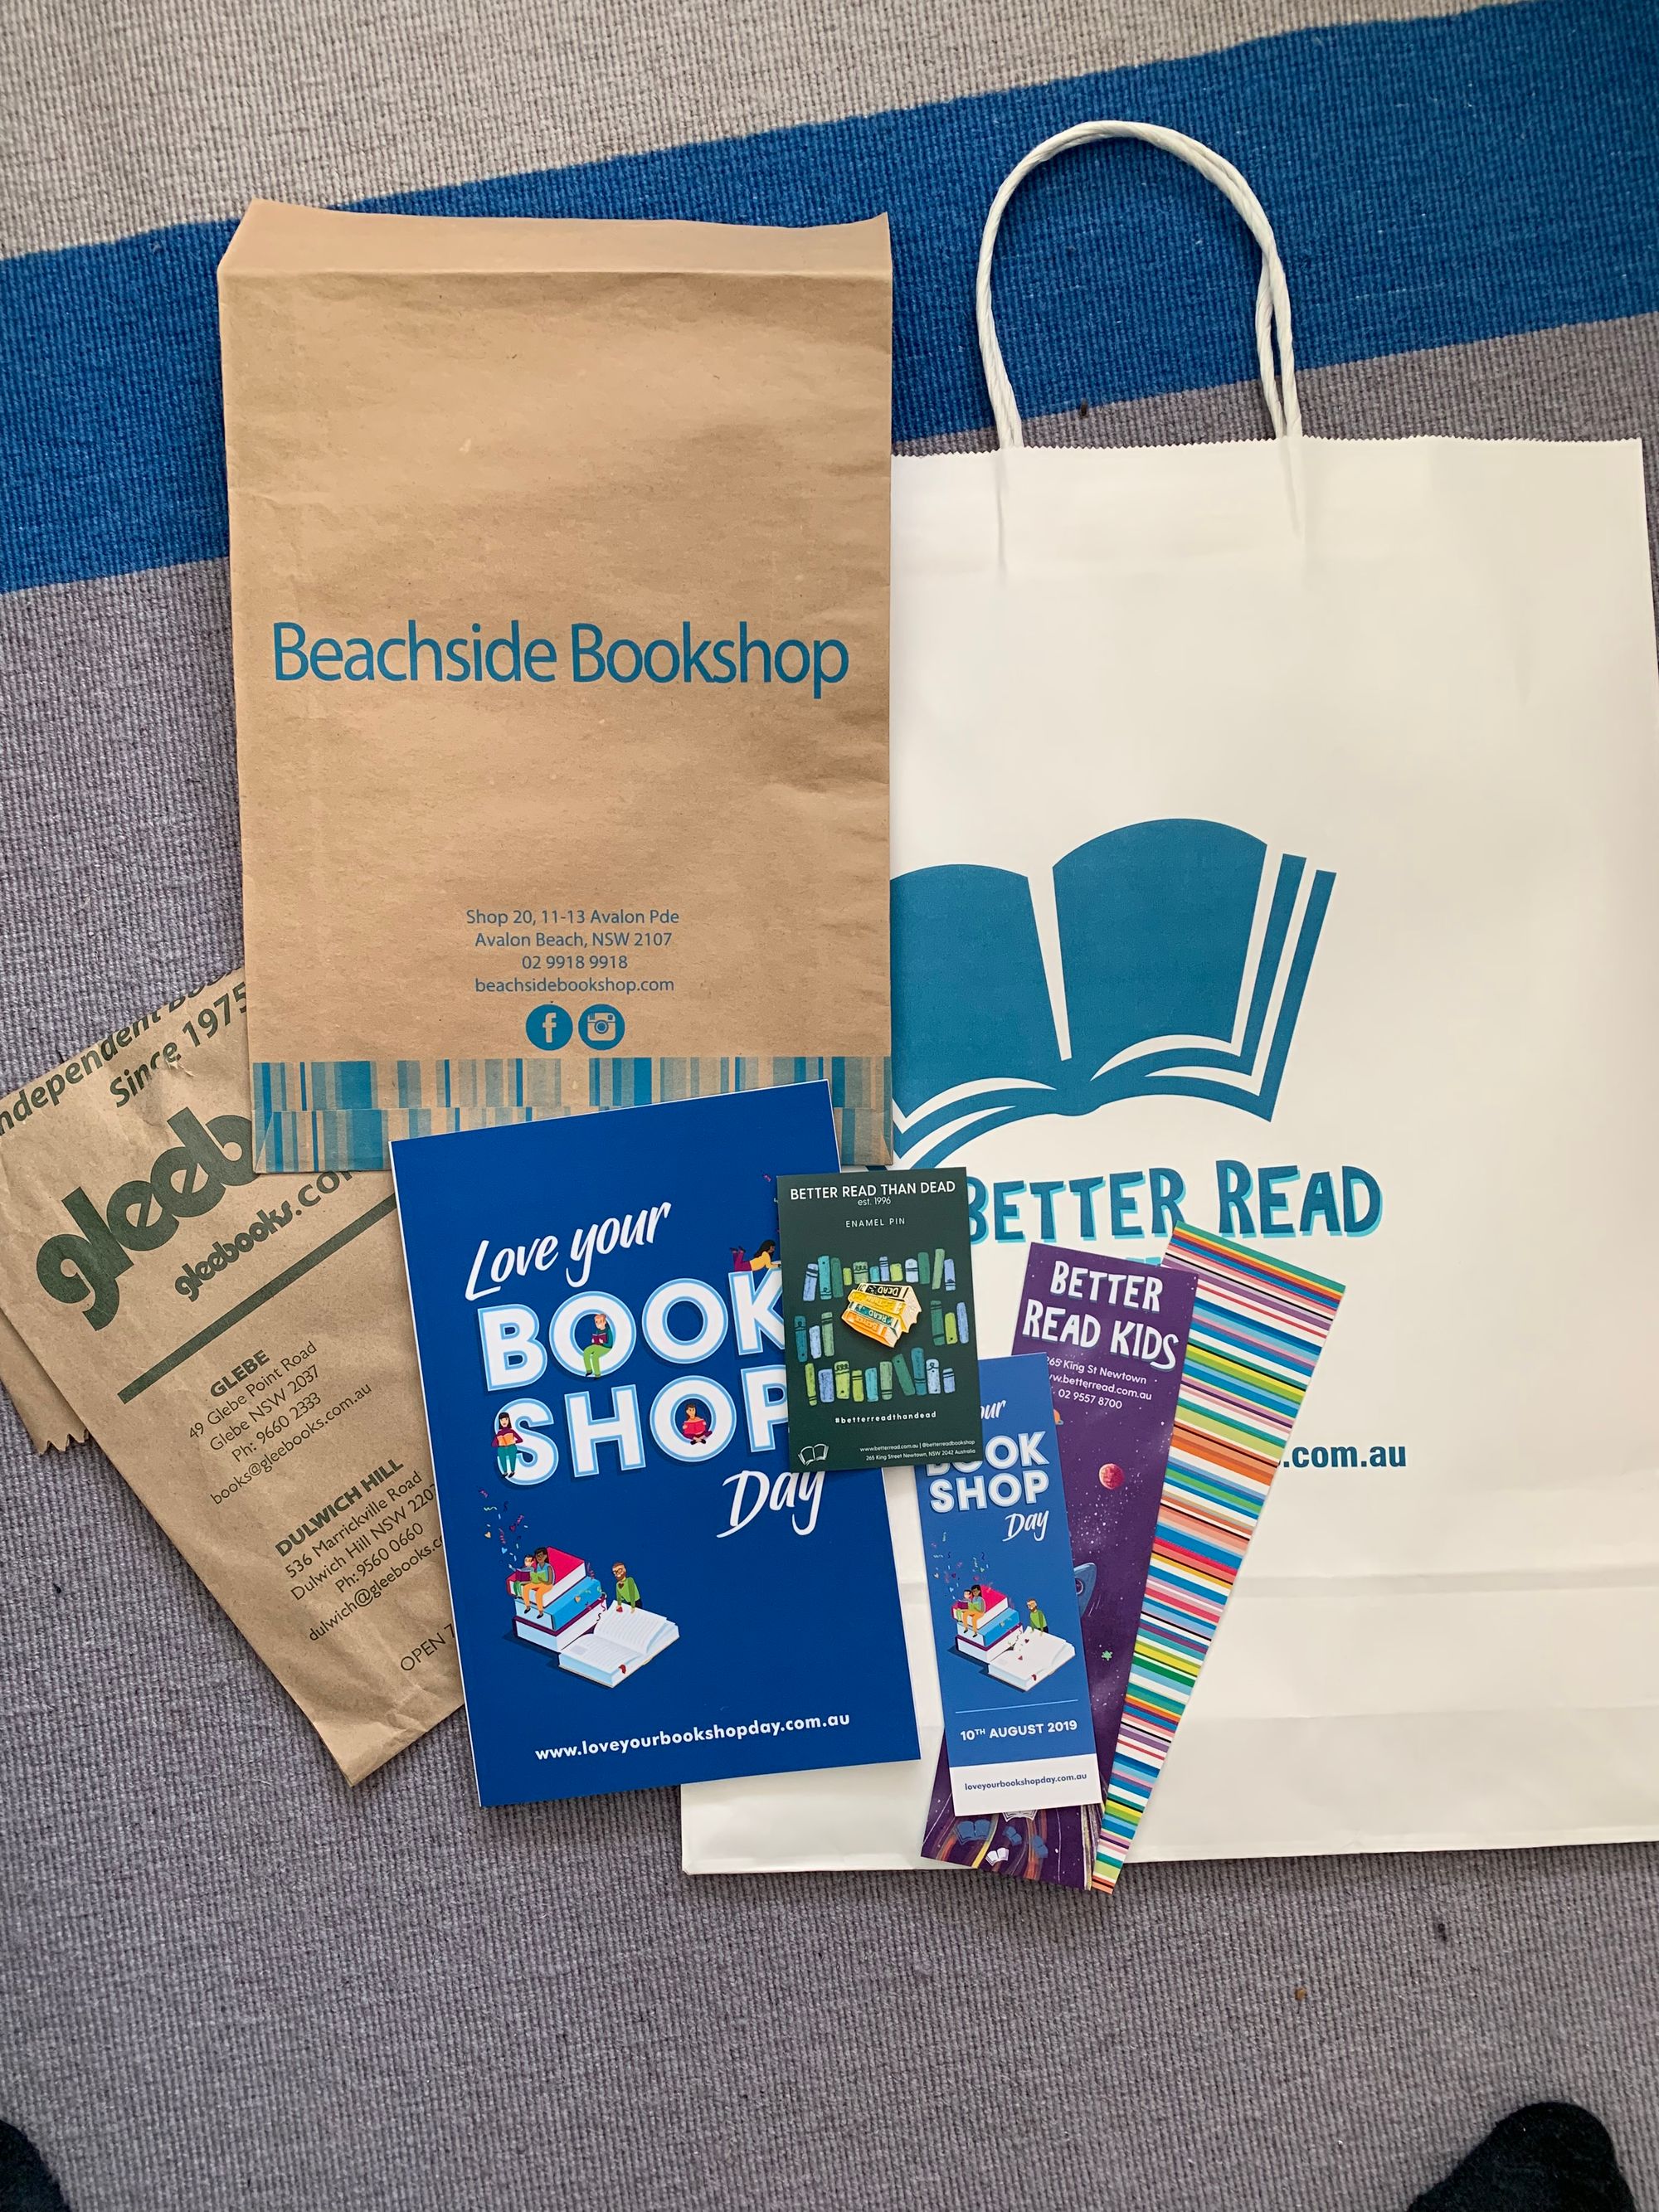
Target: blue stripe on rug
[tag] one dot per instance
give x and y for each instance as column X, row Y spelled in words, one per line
column 1432, row 182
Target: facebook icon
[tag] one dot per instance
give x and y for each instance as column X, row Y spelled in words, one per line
column 547, row 1028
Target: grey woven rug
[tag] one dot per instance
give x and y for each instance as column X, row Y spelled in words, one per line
column 230, row 1983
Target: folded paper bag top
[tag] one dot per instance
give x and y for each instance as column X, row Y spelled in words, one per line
column 559, row 567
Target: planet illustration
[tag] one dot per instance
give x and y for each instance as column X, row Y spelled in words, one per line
column 1111, row 1476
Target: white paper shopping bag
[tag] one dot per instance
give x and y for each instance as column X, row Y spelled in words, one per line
column 1273, row 833
column 844, row 1819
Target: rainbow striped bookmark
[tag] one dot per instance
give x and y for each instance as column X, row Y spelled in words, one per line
column 1259, row 1326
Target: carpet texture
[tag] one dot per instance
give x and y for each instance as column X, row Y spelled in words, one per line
column 230, row 1983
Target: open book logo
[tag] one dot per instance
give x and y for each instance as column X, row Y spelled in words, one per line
column 1163, row 959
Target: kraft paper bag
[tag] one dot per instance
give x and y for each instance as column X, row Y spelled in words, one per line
column 243, row 1353
column 559, row 572
column 1272, row 845
column 44, row 1412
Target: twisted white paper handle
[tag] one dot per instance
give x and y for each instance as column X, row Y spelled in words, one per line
column 1272, row 301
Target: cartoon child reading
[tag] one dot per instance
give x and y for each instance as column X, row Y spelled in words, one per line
column 600, row 1337
column 765, row 1255
column 1038, row 1617
column 507, row 1441
column 531, row 1584
column 694, row 1424
column 627, row 1590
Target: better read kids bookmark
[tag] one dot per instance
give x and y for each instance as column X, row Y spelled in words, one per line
column 1114, row 1333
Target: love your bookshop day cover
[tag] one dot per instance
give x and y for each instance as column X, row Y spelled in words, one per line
column 644, row 1592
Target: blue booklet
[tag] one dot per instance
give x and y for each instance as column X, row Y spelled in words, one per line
column 1019, row 1731
column 645, row 1592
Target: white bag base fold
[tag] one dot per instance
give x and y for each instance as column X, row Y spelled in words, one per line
column 1462, row 1698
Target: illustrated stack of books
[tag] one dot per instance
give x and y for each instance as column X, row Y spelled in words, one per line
column 989, row 1630
column 829, row 1277
column 557, row 1603
column 911, row 1374
column 983, row 1617
column 556, row 1599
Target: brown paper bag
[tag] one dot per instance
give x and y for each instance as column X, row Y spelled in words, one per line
column 44, row 1412
column 243, row 1353
column 559, row 560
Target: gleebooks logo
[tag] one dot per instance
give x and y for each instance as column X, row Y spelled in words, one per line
column 1165, row 958
column 186, row 1180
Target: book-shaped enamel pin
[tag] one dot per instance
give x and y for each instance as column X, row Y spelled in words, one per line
column 884, row 1316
